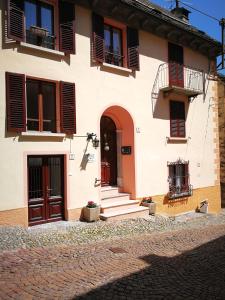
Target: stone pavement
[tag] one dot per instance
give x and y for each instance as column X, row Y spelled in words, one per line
column 185, row 264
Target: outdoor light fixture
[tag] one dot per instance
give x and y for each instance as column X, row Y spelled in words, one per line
column 93, row 137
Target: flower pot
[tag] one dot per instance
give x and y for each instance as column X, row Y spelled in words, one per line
column 91, row 214
column 151, row 205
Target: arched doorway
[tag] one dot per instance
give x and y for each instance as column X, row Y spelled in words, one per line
column 117, row 167
column 108, row 152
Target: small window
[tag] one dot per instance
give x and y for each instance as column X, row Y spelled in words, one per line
column 177, row 119
column 179, row 179
column 41, row 106
column 39, row 19
column 113, row 45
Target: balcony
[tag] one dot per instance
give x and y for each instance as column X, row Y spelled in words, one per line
column 176, row 78
column 179, row 187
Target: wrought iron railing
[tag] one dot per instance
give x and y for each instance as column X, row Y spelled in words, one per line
column 173, row 75
column 179, row 188
column 114, row 58
column 34, row 38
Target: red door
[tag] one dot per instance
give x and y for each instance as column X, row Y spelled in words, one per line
column 45, row 189
column 176, row 65
column 108, row 152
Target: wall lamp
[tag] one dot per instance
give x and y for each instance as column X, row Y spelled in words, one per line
column 93, row 137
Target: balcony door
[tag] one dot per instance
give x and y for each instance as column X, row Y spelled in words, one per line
column 176, row 65
column 45, row 189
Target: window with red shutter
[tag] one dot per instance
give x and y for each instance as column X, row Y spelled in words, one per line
column 67, row 27
column 177, row 119
column 15, row 102
column 68, row 107
column 15, row 20
column 133, row 49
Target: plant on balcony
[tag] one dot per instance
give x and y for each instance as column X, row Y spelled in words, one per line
column 91, row 212
column 147, row 201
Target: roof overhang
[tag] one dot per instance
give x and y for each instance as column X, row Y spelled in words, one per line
column 149, row 18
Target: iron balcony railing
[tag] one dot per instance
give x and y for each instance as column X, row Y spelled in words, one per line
column 176, row 75
column 114, row 58
column 179, row 187
column 34, row 38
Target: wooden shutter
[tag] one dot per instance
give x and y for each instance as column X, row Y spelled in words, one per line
column 15, row 102
column 66, row 27
column 15, row 24
column 176, row 61
column 133, row 49
column 97, row 38
column 177, row 119
column 68, row 107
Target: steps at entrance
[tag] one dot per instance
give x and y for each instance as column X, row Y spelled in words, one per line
column 139, row 211
column 118, row 206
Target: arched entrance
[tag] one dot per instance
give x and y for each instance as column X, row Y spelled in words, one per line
column 108, row 152
column 117, row 166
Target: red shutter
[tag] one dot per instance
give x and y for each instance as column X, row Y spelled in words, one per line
column 133, row 49
column 176, row 68
column 15, row 102
column 97, row 38
column 68, row 107
column 66, row 27
column 16, row 20
column 177, row 119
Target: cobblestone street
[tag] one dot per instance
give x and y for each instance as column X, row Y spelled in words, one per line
column 180, row 264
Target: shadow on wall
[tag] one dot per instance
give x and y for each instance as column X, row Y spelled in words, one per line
column 195, row 274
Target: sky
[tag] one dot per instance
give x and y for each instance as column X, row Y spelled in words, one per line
column 215, row 8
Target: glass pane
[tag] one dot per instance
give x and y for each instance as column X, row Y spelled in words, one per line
column 32, row 105
column 107, row 38
column 47, row 18
column 117, row 47
column 35, row 177
column 49, row 110
column 30, row 13
column 55, row 179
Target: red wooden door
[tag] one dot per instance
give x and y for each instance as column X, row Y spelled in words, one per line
column 45, row 189
column 108, row 152
column 176, row 67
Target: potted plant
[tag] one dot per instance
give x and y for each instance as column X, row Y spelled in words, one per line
column 147, row 201
column 91, row 211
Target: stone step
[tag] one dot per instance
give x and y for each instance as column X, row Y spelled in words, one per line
column 121, row 214
column 117, row 204
column 117, row 197
column 109, row 191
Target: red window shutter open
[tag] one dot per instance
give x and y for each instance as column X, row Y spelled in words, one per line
column 133, row 49
column 177, row 119
column 66, row 27
column 97, row 38
column 15, row 102
column 68, row 107
column 16, row 20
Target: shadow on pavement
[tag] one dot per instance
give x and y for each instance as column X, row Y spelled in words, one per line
column 195, row 274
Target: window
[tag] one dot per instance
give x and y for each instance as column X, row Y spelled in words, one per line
column 179, row 179
column 39, row 105
column 177, row 119
column 39, row 17
column 36, row 22
column 114, row 43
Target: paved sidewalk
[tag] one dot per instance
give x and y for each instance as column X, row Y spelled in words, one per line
column 185, row 264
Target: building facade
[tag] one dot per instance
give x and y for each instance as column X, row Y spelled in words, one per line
column 127, row 73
